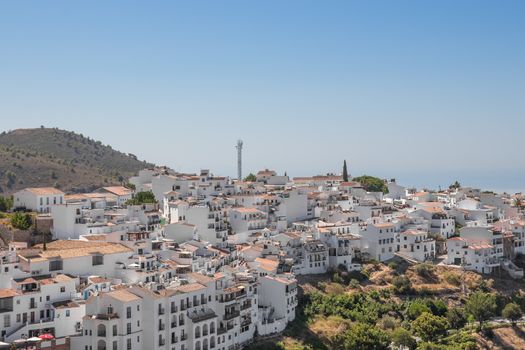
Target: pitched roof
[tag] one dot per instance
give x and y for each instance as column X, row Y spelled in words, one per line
column 122, row 295
column 118, row 190
column 43, row 191
column 7, row 293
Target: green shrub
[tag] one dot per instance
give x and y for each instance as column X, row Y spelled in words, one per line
column 430, row 327
column 402, row 284
column 21, row 221
column 424, row 270
column 512, row 311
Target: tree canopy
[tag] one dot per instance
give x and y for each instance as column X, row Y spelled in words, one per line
column 21, row 221
column 372, row 184
column 6, row 203
column 402, row 339
column 250, row 178
column 430, row 327
column 362, row 336
column 142, row 198
column 455, row 185
column 481, row 306
column 345, row 172
column 512, row 311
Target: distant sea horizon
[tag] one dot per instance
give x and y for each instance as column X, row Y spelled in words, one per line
column 498, row 184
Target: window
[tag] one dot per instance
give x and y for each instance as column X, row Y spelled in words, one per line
column 128, row 312
column 128, row 344
column 55, row 265
column 115, row 345
column 128, row 328
column 62, row 289
column 97, row 260
column 7, row 321
column 68, row 313
column 114, row 330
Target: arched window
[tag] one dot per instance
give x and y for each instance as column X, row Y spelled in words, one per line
column 101, row 345
column 204, row 330
column 101, row 330
column 197, row 332
column 212, row 327
column 197, row 345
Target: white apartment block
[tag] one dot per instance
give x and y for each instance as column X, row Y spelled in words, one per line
column 416, row 245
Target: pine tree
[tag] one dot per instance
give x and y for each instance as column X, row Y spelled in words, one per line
column 345, row 172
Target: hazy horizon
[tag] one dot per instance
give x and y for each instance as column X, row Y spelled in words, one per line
column 427, row 93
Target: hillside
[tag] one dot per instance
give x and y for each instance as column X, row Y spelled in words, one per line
column 54, row 157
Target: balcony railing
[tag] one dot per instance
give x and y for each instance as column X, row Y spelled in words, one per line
column 230, row 315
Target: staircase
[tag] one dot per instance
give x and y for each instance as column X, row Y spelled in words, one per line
column 513, row 270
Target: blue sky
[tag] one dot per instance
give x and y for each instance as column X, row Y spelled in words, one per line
column 423, row 91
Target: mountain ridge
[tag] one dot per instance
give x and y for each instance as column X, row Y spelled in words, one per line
column 54, row 157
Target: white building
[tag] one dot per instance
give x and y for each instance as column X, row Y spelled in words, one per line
column 378, row 240
column 416, row 245
column 38, row 199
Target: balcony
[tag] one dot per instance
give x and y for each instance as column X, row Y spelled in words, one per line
column 106, row 317
column 162, row 326
column 246, row 305
column 173, row 324
column 231, row 315
column 162, row 311
column 162, row 342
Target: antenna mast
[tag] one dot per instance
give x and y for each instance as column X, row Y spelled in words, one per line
column 239, row 160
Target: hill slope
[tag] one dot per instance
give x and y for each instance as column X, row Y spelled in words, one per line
column 54, row 157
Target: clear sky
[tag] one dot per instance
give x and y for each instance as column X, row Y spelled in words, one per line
column 425, row 91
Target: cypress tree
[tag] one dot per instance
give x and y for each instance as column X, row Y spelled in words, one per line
column 345, row 172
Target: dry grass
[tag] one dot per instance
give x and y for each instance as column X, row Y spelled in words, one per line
column 504, row 338
column 327, row 328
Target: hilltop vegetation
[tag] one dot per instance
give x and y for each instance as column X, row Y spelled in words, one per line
column 440, row 308
column 371, row 183
column 60, row 158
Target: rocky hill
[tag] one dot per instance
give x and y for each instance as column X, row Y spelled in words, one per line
column 60, row 158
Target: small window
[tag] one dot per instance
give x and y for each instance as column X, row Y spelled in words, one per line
column 97, row 259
